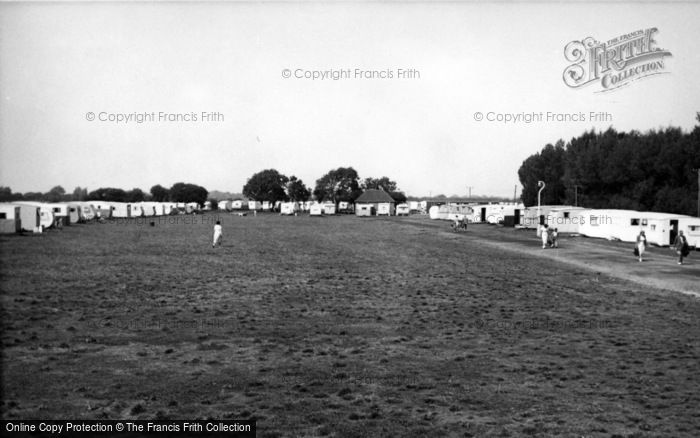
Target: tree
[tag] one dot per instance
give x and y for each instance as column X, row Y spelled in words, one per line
column 399, row 197
column 135, row 195
column 297, row 191
column 627, row 170
column 6, row 195
column 267, row 185
column 338, row 185
column 33, row 196
column 159, row 193
column 183, row 192
column 56, row 194
column 108, row 194
column 383, row 183
column 79, row 194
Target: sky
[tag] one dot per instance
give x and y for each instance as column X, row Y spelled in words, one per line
column 69, row 70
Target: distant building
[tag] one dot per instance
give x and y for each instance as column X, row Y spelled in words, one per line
column 382, row 202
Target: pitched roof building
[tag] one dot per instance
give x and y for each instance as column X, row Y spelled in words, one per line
column 373, row 196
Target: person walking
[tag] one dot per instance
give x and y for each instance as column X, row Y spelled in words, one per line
column 641, row 244
column 555, row 238
column 544, row 235
column 218, row 234
column 681, row 245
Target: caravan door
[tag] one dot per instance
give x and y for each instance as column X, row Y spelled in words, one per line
column 674, row 231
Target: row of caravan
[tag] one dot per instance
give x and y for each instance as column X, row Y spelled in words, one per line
column 660, row 228
column 142, row 209
column 493, row 213
column 285, row 208
column 313, row 208
column 360, row 209
column 36, row 217
column 625, row 225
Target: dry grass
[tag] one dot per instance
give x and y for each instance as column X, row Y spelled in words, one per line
column 338, row 327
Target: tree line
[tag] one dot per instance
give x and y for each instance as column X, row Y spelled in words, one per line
column 341, row 184
column 652, row 171
column 338, row 185
column 179, row 192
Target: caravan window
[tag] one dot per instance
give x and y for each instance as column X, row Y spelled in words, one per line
column 566, row 215
column 644, row 222
column 694, row 228
column 594, row 220
column 634, row 222
column 653, row 227
column 3, row 215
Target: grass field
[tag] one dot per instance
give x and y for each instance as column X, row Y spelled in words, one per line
column 338, row 326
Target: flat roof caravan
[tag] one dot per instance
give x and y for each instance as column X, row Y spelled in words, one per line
column 660, row 228
column 239, row 204
column 46, row 216
column 316, row 210
column 224, row 205
column 496, row 213
column 362, row 210
column 10, row 221
column 30, row 217
column 136, row 210
column 435, row 213
column 566, row 219
column 158, row 208
column 289, row 208
column 61, row 214
column 169, row 208
column 73, row 212
column 120, row 209
column 328, row 208
column 529, row 218
column 386, row 209
column 148, row 208
column 102, row 209
column 691, row 229
column 450, row 212
column 479, row 213
column 87, row 211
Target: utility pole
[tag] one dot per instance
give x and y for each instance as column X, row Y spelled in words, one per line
column 515, row 194
column 576, row 186
column 470, row 191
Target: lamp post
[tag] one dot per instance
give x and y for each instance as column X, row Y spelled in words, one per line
column 576, row 186
column 541, row 185
column 698, row 170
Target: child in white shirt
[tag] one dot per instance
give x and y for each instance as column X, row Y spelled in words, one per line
column 218, row 233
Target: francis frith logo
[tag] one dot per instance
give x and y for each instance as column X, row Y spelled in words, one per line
column 616, row 62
